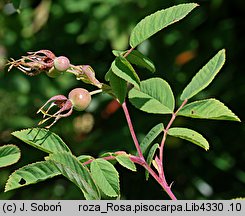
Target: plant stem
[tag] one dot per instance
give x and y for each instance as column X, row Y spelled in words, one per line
column 105, row 158
column 130, row 125
column 164, row 185
column 161, row 171
column 141, row 160
column 95, row 92
column 110, row 157
column 128, row 52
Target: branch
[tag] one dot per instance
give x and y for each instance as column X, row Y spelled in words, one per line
column 161, row 171
column 130, row 125
column 141, row 161
column 128, row 52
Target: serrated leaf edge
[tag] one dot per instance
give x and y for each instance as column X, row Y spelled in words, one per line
column 15, row 153
column 211, row 99
column 190, row 140
column 37, row 146
column 222, row 51
column 134, row 170
column 142, row 20
column 74, row 171
column 31, row 164
column 113, row 188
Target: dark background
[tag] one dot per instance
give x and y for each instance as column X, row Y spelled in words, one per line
column 86, row 32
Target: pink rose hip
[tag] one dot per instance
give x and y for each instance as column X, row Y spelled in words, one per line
column 80, row 98
column 61, row 63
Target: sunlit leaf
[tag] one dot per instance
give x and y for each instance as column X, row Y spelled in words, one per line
column 190, row 135
column 31, row 174
column 105, row 176
column 208, row 109
column 125, row 161
column 154, row 96
column 123, row 69
column 118, row 52
column 9, row 154
column 157, row 21
column 42, row 139
column 71, row 168
column 204, row 76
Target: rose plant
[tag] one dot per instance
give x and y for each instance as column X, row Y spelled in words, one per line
column 97, row 177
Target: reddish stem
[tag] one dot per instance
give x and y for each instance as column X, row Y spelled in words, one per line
column 141, row 160
column 128, row 52
column 106, row 158
column 130, row 125
column 161, row 171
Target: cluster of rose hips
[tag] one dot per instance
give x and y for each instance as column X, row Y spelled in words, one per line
column 45, row 61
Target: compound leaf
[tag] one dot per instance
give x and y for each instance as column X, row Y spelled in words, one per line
column 9, row 154
column 157, row 21
column 190, row 135
column 106, row 177
column 154, row 96
column 204, row 76
column 208, row 109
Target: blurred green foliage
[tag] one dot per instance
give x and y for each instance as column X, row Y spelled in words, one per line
column 86, row 32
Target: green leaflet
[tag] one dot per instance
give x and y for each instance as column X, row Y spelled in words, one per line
column 157, row 21
column 118, row 85
column 125, row 161
column 154, row 96
column 190, row 135
column 108, row 74
column 70, row 167
column 204, row 76
column 118, row 52
column 42, row 139
column 150, row 157
column 123, row 69
column 106, row 177
column 9, row 154
column 106, row 154
column 150, row 136
column 84, row 158
column 31, row 174
column 121, row 72
column 137, row 58
column 208, row 109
